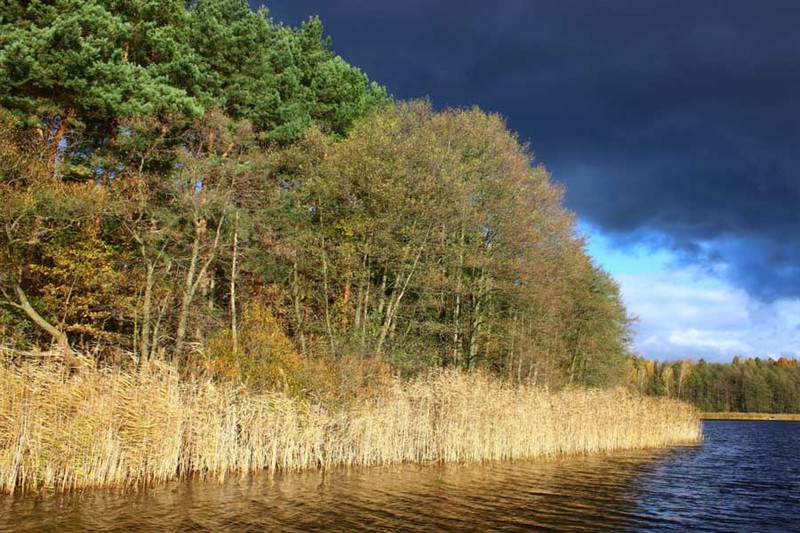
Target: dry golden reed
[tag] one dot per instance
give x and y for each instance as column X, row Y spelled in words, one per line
column 107, row 428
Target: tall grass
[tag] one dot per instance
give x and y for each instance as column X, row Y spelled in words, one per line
column 104, row 428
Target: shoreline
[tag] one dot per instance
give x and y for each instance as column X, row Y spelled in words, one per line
column 126, row 430
column 780, row 417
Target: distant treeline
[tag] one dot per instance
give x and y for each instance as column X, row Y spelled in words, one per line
column 194, row 182
column 743, row 386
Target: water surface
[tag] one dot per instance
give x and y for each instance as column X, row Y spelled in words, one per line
column 744, row 477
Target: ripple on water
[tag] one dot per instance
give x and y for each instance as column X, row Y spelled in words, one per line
column 744, row 477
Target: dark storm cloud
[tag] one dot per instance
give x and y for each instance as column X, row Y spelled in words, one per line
column 678, row 117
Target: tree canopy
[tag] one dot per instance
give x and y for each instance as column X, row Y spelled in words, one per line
column 745, row 385
column 204, row 185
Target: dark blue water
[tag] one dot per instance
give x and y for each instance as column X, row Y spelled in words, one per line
column 744, row 477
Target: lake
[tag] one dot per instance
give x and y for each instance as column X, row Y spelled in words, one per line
column 744, row 477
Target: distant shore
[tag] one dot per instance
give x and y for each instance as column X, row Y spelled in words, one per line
column 750, row 416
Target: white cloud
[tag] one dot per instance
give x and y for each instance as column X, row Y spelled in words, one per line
column 691, row 311
column 718, row 341
column 688, row 313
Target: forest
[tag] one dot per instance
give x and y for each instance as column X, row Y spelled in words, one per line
column 746, row 385
column 199, row 185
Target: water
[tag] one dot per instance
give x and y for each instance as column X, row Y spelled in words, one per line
column 744, row 477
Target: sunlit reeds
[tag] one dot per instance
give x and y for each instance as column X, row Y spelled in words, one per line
column 106, row 428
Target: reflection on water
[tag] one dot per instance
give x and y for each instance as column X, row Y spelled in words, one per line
column 745, row 477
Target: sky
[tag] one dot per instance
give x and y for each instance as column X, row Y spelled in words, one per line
column 673, row 126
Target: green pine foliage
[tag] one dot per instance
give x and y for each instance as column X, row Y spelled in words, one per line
column 96, row 62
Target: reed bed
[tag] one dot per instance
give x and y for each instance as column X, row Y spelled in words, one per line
column 113, row 429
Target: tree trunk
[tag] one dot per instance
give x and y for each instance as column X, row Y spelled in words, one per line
column 394, row 303
column 298, row 316
column 193, row 278
column 359, row 304
column 189, row 287
column 54, row 148
column 346, row 302
column 326, row 295
column 382, row 299
column 234, row 264
column 24, row 304
column 362, row 297
column 365, row 318
column 147, row 311
column 457, row 307
column 474, row 334
column 157, row 328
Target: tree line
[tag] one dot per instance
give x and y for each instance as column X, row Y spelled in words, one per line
column 746, row 385
column 200, row 184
